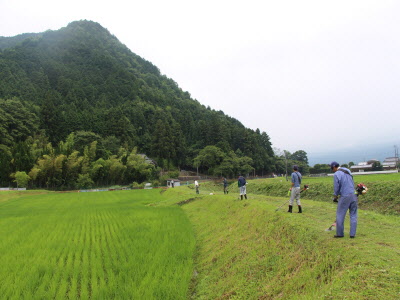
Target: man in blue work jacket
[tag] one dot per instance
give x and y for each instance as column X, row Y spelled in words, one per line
column 343, row 185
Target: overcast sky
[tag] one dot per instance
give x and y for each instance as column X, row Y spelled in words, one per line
column 320, row 76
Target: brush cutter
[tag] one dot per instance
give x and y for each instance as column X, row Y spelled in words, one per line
column 361, row 189
column 306, row 187
column 331, row 227
column 281, row 205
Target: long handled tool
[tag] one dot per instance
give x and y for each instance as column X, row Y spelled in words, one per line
column 331, row 227
column 281, row 205
column 304, row 189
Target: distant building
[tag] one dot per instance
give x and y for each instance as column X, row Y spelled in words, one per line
column 173, row 182
column 362, row 166
column 390, row 163
column 147, row 159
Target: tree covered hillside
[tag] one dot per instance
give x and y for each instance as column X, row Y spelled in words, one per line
column 82, row 80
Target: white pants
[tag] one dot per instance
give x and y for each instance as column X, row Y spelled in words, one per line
column 295, row 194
column 242, row 190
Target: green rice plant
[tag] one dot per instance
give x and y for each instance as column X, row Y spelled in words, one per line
column 109, row 245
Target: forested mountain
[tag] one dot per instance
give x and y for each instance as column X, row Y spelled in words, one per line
column 82, row 80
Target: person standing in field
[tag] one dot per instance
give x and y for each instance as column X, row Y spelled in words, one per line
column 225, row 183
column 343, row 185
column 295, row 189
column 242, row 187
column 197, row 186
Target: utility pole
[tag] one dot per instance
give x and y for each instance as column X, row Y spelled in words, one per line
column 284, row 151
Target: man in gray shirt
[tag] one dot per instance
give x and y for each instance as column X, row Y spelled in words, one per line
column 295, row 189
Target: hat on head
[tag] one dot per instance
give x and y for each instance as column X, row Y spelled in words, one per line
column 295, row 167
column 334, row 164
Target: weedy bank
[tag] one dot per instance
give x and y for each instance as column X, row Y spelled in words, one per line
column 383, row 190
column 248, row 250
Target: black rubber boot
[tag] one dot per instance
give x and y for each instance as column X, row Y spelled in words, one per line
column 245, row 196
column 300, row 211
column 241, row 197
column 290, row 208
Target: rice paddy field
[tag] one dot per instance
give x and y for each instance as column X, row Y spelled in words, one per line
column 105, row 245
column 175, row 244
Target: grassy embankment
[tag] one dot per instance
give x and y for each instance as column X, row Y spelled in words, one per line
column 106, row 245
column 141, row 245
column 383, row 190
column 248, row 250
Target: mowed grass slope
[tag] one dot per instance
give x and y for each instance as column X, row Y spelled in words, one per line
column 248, row 250
column 106, row 245
column 383, row 190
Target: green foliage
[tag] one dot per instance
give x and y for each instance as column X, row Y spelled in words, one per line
column 136, row 185
column 209, row 157
column 218, row 163
column 5, row 163
column 22, row 179
column 300, row 155
column 320, row 169
column 17, row 122
column 155, row 183
column 84, row 181
column 173, row 174
column 377, row 166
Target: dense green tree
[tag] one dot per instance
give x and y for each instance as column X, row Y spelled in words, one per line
column 137, row 169
column 300, row 155
column 21, row 178
column 50, row 117
column 320, row 168
column 17, row 122
column 84, row 181
column 209, row 157
column 5, row 163
column 377, row 166
column 23, row 159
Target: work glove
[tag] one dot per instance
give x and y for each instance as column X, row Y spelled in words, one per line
column 335, row 199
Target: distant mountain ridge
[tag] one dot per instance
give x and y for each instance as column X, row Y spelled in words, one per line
column 82, row 78
column 8, row 42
